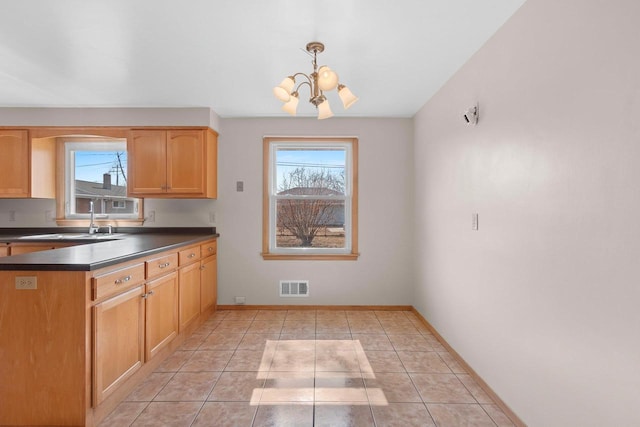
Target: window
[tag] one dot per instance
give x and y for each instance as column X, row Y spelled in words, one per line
column 96, row 171
column 310, row 198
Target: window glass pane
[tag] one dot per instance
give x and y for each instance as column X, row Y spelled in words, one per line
column 310, row 172
column 310, row 223
column 101, row 176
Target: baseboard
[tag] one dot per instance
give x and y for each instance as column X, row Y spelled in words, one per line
column 485, row 387
column 317, row 307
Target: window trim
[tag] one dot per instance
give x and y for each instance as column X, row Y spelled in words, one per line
column 267, row 254
column 61, row 187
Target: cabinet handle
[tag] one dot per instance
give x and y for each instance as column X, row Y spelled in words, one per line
column 210, row 248
column 166, row 264
column 122, row 280
column 191, row 255
column 147, row 295
column 202, row 267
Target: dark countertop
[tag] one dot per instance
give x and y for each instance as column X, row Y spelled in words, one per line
column 93, row 256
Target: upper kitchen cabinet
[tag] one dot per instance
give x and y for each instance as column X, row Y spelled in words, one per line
column 27, row 167
column 168, row 163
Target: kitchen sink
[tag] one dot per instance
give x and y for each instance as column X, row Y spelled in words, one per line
column 74, row 236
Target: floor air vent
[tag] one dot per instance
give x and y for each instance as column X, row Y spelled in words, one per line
column 294, row 288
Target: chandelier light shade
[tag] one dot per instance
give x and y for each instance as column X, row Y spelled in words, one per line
column 348, row 98
column 324, row 110
column 292, row 104
column 283, row 91
column 320, row 80
column 327, row 78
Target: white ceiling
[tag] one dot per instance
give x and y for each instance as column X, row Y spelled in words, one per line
column 228, row 54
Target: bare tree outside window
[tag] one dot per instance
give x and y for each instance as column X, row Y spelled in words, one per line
column 311, row 208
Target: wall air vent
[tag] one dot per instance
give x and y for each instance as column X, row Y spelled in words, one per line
column 294, row 288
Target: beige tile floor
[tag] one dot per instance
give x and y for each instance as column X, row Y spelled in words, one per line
column 309, row 368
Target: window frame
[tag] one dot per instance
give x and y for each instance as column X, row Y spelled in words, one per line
column 269, row 228
column 63, row 218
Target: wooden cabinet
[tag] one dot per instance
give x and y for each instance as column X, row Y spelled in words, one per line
column 161, row 313
column 208, row 276
column 97, row 333
column 172, row 163
column 118, row 345
column 4, row 250
column 27, row 168
column 161, row 303
column 189, row 294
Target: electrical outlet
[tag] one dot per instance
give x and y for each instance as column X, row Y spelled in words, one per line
column 48, row 216
column 26, row 282
column 240, row 300
column 12, row 215
column 151, row 216
column 212, row 217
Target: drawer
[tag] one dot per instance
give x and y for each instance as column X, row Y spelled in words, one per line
column 163, row 264
column 189, row 255
column 209, row 248
column 116, row 281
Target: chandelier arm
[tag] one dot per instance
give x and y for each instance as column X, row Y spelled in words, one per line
column 305, row 83
column 301, row 74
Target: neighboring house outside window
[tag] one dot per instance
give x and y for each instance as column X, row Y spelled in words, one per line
column 310, row 198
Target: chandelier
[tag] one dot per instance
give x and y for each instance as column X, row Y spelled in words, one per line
column 322, row 79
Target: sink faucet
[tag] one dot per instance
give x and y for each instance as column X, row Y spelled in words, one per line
column 92, row 227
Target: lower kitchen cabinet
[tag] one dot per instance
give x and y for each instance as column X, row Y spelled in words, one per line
column 189, row 294
column 208, row 278
column 98, row 333
column 118, row 341
column 161, row 301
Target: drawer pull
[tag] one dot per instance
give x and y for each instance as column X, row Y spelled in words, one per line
column 123, row 280
column 191, row 255
column 202, row 267
column 148, row 294
column 210, row 248
column 164, row 265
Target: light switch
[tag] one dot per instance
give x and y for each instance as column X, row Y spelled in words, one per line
column 474, row 221
column 239, row 186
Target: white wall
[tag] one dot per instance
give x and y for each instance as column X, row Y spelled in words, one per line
column 383, row 273
column 543, row 301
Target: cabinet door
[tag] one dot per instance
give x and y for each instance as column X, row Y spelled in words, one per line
column 161, row 313
column 118, row 328
column 185, row 160
column 208, row 283
column 147, row 162
column 15, row 164
column 189, row 284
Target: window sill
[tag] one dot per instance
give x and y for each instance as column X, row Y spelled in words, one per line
column 310, row 257
column 101, row 223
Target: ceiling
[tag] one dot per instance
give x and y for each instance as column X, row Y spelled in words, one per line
column 228, row 54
